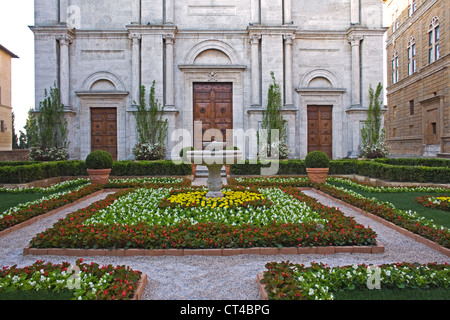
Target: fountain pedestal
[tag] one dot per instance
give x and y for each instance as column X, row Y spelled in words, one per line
column 214, row 160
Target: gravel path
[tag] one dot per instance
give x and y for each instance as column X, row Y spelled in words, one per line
column 219, row 278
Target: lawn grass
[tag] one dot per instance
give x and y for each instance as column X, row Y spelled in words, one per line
column 405, row 201
column 9, row 200
column 20, row 295
column 394, row 294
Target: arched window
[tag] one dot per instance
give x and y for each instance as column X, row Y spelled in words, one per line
column 412, row 62
column 395, row 72
column 433, row 40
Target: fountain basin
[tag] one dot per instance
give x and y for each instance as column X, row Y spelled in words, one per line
column 214, row 161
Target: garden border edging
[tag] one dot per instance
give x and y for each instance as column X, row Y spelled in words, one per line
column 203, row 252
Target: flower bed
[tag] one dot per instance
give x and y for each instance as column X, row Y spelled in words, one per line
column 288, row 281
column 133, row 218
column 54, row 188
column 366, row 187
column 88, row 281
column 408, row 220
column 441, row 202
column 26, row 211
column 271, row 182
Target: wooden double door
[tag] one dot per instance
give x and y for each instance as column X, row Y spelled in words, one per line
column 320, row 129
column 213, row 108
column 104, row 130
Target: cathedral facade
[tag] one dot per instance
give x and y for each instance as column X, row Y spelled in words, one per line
column 212, row 62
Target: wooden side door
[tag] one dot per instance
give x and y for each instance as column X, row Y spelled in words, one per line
column 213, row 107
column 104, row 130
column 320, row 129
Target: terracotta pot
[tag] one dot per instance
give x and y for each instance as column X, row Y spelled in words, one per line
column 194, row 169
column 228, row 170
column 317, row 175
column 99, row 176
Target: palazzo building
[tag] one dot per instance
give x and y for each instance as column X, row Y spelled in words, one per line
column 418, row 118
column 6, row 124
column 211, row 61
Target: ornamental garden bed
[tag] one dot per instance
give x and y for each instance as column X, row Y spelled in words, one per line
column 54, row 200
column 180, row 221
column 72, row 282
column 422, row 227
column 288, row 281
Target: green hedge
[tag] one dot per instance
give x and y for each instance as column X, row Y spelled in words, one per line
column 45, row 170
column 150, row 168
column 398, row 170
column 373, row 169
column 423, row 162
column 16, row 163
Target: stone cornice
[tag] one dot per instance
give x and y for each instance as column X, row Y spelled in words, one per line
column 200, row 67
column 165, row 29
column 108, row 94
column 321, row 90
column 272, row 30
column 60, row 31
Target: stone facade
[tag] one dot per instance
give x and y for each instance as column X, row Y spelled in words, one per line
column 418, row 117
column 5, row 99
column 321, row 52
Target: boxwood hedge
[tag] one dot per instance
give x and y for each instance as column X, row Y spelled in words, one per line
column 44, row 170
column 397, row 170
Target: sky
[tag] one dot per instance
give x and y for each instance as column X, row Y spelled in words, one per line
column 16, row 36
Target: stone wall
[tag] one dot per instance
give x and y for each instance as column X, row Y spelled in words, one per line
column 14, row 155
column 418, row 118
column 322, row 53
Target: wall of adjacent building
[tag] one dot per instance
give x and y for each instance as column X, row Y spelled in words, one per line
column 5, row 101
column 418, row 103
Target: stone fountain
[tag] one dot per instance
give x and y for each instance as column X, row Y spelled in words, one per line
column 214, row 157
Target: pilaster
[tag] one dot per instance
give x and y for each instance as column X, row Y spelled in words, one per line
column 64, row 68
column 355, row 42
column 135, row 66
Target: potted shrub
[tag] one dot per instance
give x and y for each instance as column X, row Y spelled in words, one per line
column 317, row 166
column 185, row 160
column 98, row 166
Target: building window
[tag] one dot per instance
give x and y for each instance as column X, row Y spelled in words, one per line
column 412, row 61
column 412, row 7
column 395, row 21
column 434, row 127
column 395, row 72
column 433, row 40
column 411, row 107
